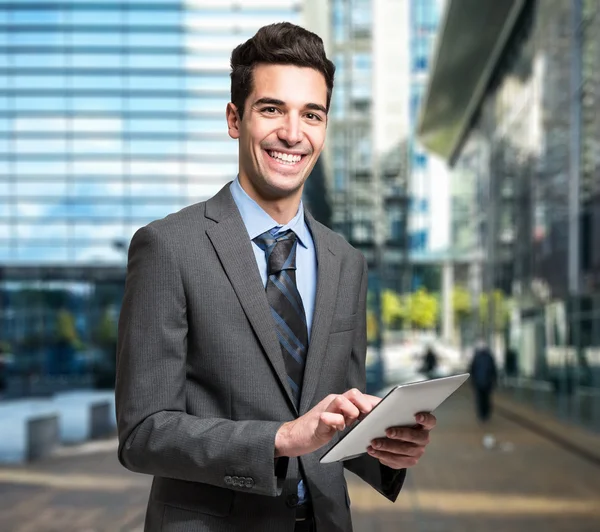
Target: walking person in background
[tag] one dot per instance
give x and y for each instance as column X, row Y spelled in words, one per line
column 483, row 379
column 430, row 362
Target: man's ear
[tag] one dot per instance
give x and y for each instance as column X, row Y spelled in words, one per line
column 233, row 121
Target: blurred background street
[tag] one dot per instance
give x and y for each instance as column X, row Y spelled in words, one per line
column 527, row 482
column 463, row 161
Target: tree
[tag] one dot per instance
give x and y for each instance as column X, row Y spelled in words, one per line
column 500, row 309
column 394, row 309
column 422, row 309
column 66, row 332
column 106, row 332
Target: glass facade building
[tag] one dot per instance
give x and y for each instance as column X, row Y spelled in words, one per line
column 525, row 204
column 112, row 114
column 424, row 22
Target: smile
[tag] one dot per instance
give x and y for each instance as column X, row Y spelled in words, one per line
column 287, row 159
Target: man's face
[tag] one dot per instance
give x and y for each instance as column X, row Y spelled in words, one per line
column 283, row 129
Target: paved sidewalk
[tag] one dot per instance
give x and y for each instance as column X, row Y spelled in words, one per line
column 458, row 486
column 526, row 483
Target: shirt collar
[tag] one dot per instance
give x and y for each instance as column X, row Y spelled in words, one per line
column 257, row 221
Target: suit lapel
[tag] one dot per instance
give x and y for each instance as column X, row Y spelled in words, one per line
column 230, row 240
column 328, row 275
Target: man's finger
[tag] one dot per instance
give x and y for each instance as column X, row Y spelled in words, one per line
column 362, row 401
column 397, row 447
column 418, row 436
column 330, row 422
column 426, row 420
column 395, row 461
column 342, row 405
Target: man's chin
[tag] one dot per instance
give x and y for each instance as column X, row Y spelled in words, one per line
column 283, row 187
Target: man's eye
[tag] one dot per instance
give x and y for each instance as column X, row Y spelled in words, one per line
column 313, row 116
column 269, row 110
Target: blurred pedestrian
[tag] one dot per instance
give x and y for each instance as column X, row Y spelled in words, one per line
column 483, row 379
column 212, row 395
column 510, row 362
column 430, row 362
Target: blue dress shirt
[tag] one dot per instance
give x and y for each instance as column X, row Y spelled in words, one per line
column 257, row 221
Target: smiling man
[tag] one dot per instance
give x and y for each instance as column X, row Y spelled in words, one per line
column 242, row 335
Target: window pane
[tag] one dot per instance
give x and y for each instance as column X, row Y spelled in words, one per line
column 22, row 81
column 25, row 38
column 29, row 60
column 199, row 125
column 97, row 168
column 152, row 39
column 97, row 189
column 159, row 190
column 155, row 147
column 49, row 232
column 37, row 17
column 97, row 60
column 196, row 147
column 141, row 103
column 104, row 146
column 97, row 82
column 149, row 125
column 89, row 103
column 23, row 146
column 93, row 231
column 173, row 61
column 153, row 83
column 96, row 18
column 40, row 103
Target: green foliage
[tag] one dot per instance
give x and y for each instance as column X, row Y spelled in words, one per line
column 461, row 303
column 500, row 310
column 5, row 347
column 66, row 331
column 106, row 332
column 393, row 309
column 422, row 309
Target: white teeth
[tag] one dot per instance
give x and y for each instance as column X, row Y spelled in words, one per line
column 285, row 157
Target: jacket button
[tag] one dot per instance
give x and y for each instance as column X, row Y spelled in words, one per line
column 249, row 482
column 228, row 480
column 292, row 500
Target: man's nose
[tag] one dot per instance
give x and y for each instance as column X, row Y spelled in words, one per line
column 291, row 130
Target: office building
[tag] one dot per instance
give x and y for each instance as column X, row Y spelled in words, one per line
column 511, row 105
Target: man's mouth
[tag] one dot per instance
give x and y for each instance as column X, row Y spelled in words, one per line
column 289, row 159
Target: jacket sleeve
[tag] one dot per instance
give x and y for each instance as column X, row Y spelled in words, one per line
column 384, row 479
column 156, row 434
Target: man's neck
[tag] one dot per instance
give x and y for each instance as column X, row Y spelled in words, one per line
column 282, row 210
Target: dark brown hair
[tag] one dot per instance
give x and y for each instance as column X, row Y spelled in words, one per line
column 282, row 43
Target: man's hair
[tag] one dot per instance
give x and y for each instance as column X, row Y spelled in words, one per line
column 284, row 44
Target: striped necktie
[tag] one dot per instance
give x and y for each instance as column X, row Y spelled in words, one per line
column 286, row 304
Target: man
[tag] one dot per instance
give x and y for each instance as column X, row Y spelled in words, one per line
column 483, row 378
column 242, row 335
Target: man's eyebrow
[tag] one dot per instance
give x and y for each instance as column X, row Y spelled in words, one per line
column 269, row 101
column 316, row 107
column 281, row 103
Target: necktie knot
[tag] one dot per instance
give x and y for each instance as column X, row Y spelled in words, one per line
column 280, row 250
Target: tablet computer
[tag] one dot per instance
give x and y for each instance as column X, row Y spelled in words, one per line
column 397, row 409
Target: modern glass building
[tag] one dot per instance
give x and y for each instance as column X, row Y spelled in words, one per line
column 381, row 189
column 512, row 105
column 112, row 114
column 424, row 21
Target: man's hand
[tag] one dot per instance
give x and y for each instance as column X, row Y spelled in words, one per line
column 315, row 428
column 403, row 446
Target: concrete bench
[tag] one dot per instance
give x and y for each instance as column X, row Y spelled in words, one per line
column 29, row 429
column 85, row 415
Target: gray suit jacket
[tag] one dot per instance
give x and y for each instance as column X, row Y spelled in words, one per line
column 201, row 386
